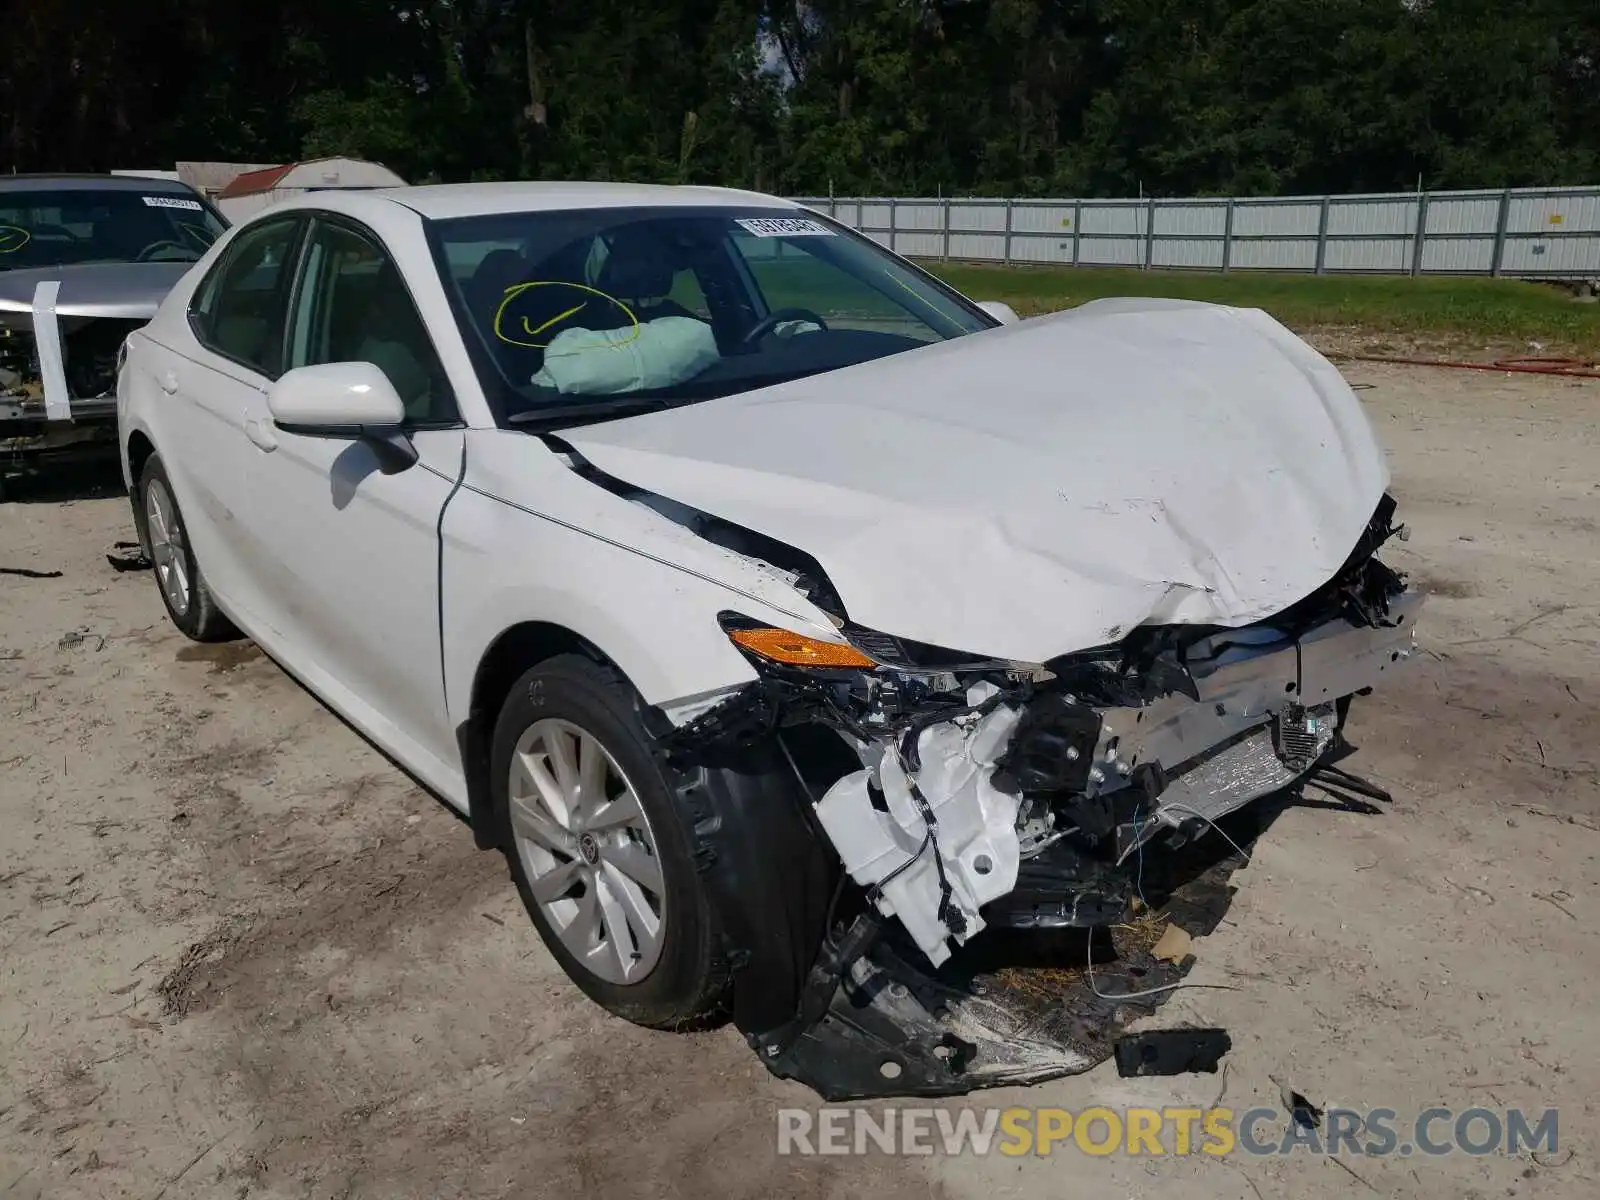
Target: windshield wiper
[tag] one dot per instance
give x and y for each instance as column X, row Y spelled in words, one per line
column 555, row 416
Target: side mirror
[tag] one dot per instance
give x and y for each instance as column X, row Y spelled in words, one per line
column 1000, row 311
column 350, row 400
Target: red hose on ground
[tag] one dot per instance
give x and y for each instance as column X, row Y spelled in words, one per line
column 1572, row 368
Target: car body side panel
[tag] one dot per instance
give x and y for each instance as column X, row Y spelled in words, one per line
column 169, row 426
column 442, row 776
column 349, row 572
column 193, row 414
column 526, row 539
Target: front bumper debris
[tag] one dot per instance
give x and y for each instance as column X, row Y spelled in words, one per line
column 1028, row 799
column 1226, row 746
column 936, row 843
column 58, row 379
column 1012, row 1011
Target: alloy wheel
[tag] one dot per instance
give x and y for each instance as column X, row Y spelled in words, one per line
column 167, row 547
column 587, row 850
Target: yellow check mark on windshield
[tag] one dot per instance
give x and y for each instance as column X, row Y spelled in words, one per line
column 518, row 289
column 555, row 320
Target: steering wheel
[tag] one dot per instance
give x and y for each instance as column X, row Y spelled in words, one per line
column 773, row 319
column 149, row 252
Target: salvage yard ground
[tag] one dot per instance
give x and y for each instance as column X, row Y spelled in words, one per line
column 242, row 955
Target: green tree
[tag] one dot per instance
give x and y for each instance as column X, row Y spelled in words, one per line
column 1025, row 97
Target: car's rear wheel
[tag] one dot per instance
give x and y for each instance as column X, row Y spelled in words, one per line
column 183, row 588
column 598, row 850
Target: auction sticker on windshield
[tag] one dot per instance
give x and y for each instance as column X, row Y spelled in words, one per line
column 172, row 202
column 785, row 227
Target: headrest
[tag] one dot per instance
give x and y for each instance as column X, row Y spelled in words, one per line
column 388, row 293
column 498, row 270
column 638, row 268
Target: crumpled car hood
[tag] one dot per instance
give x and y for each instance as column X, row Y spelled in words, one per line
column 130, row 291
column 1045, row 487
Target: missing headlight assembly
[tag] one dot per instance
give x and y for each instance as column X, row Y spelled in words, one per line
column 980, row 794
column 58, row 376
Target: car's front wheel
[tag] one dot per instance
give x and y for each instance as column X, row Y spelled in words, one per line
column 600, row 854
column 183, row 588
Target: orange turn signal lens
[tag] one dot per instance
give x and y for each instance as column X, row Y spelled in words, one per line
column 796, row 650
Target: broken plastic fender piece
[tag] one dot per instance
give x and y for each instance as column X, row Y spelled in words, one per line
column 1171, row 1052
column 888, row 846
column 893, row 1031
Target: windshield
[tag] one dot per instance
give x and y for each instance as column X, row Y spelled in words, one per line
column 577, row 315
column 62, row 228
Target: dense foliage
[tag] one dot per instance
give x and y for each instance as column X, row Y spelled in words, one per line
column 1091, row 97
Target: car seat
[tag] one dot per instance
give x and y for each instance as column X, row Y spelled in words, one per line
column 639, row 271
column 390, row 335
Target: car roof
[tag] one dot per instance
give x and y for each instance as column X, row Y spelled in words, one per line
column 91, row 183
column 447, row 200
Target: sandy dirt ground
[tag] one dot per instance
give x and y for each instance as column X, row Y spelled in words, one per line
column 242, row 955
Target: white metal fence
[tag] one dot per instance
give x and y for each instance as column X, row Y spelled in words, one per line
column 1530, row 233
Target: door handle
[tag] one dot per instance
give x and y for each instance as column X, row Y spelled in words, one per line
column 260, row 433
column 169, row 382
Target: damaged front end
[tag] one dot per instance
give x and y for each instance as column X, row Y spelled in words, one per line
column 1022, row 796
column 58, row 377
column 63, row 333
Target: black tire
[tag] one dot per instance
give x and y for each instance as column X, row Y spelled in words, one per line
column 689, row 981
column 199, row 618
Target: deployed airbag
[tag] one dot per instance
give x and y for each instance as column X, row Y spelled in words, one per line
column 643, row 357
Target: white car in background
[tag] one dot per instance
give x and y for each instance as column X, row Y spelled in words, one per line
column 769, row 603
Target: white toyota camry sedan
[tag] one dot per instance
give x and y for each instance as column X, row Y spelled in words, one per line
column 786, row 618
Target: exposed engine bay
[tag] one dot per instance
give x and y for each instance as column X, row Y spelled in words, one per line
column 1022, row 796
column 89, row 358
column 970, row 772
column 59, row 391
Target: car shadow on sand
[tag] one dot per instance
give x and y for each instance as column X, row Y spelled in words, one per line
column 87, row 475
